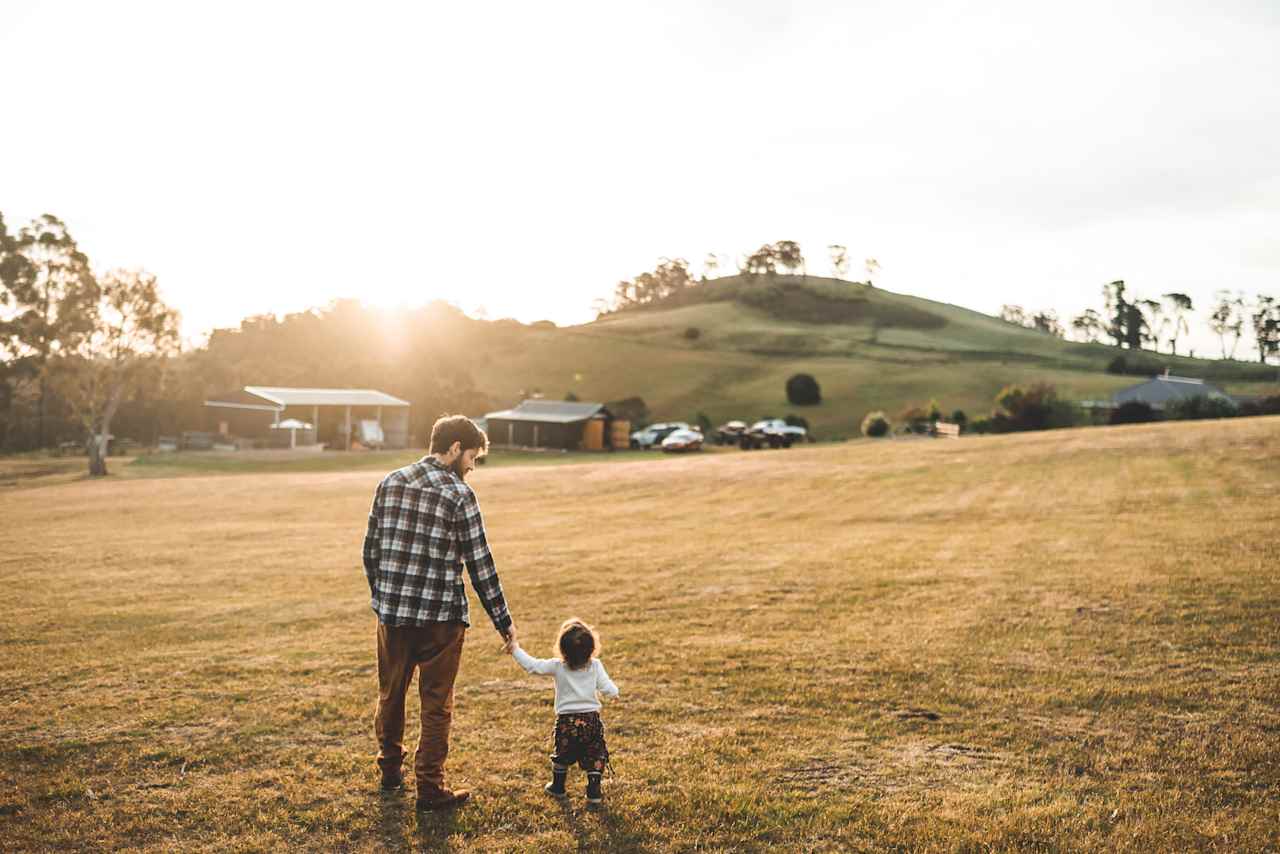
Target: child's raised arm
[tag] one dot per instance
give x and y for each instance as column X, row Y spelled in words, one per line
column 541, row 666
column 603, row 683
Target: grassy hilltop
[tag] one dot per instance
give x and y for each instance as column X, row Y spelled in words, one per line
column 1052, row 641
column 868, row 348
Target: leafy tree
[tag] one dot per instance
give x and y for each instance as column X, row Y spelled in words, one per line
column 1266, row 326
column 1046, row 321
column 709, row 266
column 49, row 291
column 1088, row 326
column 803, row 390
column 1179, row 308
column 872, row 266
column 132, row 333
column 1117, row 311
column 1135, row 326
column 762, row 262
column 789, row 256
column 958, row 417
column 1153, row 321
column 1014, row 314
column 1227, row 320
column 839, row 260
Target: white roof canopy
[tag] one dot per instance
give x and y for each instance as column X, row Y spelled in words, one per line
column 324, row 396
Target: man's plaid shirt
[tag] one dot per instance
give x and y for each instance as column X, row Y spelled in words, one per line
column 424, row 524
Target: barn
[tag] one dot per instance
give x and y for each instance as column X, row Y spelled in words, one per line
column 567, row 425
column 336, row 417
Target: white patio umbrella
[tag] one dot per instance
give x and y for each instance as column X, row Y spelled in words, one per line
column 293, row 425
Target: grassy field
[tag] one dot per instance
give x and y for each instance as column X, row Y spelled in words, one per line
column 1055, row 641
column 26, row 471
column 738, row 364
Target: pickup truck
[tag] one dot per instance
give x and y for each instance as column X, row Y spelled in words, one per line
column 771, row 433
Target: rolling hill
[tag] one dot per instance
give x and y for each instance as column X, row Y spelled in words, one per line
column 868, row 348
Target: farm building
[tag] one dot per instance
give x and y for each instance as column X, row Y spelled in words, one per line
column 557, row 424
column 333, row 416
column 1158, row 392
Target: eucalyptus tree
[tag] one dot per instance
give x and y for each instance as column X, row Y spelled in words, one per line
column 131, row 334
column 1179, row 309
column 49, row 291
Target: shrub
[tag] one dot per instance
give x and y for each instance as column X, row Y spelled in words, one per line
column 1262, row 406
column 693, row 333
column 802, row 390
column 958, row 417
column 571, row 397
column 1036, row 407
column 796, row 421
column 875, row 425
column 1201, row 406
column 1133, row 412
column 914, row 419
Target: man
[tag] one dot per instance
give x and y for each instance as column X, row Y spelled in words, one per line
column 424, row 524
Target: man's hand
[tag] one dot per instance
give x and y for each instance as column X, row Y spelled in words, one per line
column 509, row 638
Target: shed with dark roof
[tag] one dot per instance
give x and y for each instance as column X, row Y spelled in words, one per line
column 567, row 425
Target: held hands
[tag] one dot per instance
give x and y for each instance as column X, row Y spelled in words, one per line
column 509, row 639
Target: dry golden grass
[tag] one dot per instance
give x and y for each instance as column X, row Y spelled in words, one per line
column 1060, row 641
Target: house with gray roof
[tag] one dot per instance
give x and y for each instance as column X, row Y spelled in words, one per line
column 1158, row 392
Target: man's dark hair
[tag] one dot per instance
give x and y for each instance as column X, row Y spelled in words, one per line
column 457, row 428
column 577, row 643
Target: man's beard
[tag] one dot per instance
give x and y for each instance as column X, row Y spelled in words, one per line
column 457, row 468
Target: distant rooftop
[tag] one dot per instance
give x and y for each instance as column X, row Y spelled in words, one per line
column 324, row 396
column 548, row 411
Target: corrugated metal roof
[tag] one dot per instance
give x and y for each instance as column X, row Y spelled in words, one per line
column 1159, row 391
column 548, row 412
column 324, row 396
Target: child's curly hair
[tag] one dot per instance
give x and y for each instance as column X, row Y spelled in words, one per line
column 576, row 643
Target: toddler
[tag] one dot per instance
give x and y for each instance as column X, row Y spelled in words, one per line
column 579, row 733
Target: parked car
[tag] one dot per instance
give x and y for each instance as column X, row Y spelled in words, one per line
column 730, row 432
column 683, row 440
column 771, row 433
column 652, row 436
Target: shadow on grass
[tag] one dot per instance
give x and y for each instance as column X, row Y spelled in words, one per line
column 396, row 830
column 595, row 827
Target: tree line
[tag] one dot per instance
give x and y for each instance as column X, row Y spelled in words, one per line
column 1134, row 322
column 672, row 276
column 85, row 354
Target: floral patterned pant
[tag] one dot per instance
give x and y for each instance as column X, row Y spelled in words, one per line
column 579, row 737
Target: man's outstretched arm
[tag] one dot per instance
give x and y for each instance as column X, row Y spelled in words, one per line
column 480, row 566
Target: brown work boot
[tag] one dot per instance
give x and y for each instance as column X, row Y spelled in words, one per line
column 392, row 780
column 442, row 799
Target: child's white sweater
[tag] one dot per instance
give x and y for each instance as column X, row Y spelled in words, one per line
column 575, row 689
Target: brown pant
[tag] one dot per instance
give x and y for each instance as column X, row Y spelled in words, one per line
column 435, row 651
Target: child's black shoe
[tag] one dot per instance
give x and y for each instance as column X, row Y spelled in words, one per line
column 556, row 787
column 594, row 794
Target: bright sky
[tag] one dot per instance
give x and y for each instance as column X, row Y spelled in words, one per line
column 523, row 157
